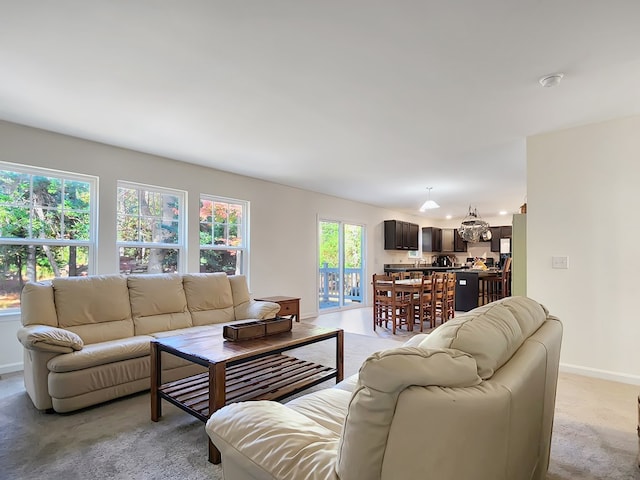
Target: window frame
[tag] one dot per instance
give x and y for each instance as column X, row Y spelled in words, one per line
column 180, row 246
column 243, row 227
column 64, row 176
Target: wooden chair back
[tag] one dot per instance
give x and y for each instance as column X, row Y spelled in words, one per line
column 439, row 296
column 423, row 303
column 390, row 304
column 450, row 296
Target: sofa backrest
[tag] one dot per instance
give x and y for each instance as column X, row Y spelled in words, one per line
column 37, row 306
column 491, row 333
column 102, row 314
column 109, row 307
column 484, row 413
column 382, row 377
column 158, row 303
column 240, row 289
column 209, row 297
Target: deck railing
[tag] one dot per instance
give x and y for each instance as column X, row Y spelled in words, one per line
column 330, row 285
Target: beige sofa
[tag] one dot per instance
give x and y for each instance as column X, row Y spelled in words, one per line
column 473, row 400
column 87, row 339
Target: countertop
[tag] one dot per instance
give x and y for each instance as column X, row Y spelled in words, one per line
column 412, row 268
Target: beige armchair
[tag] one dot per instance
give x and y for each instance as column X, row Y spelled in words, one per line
column 472, row 400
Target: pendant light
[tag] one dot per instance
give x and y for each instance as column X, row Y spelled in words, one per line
column 429, row 204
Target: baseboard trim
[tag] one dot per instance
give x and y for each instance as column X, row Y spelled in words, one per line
column 11, row 368
column 602, row 374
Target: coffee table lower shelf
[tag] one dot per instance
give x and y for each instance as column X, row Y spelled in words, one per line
column 273, row 377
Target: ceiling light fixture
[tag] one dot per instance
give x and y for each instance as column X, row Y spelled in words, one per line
column 429, row 204
column 551, row 80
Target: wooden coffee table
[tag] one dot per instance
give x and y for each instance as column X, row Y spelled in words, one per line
column 239, row 371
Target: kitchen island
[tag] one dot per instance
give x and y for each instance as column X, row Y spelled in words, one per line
column 469, row 294
column 425, row 269
column 468, row 281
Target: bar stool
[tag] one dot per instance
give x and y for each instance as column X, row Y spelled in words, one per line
column 499, row 286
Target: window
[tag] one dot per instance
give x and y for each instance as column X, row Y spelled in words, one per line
column 150, row 229
column 47, row 225
column 223, row 235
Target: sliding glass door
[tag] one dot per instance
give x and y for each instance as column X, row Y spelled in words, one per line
column 341, row 264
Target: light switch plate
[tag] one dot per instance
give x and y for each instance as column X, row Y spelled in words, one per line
column 559, row 262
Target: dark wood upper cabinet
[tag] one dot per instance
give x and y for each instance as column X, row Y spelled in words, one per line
column 412, row 240
column 452, row 241
column 459, row 245
column 497, row 233
column 447, row 239
column 431, row 239
column 399, row 235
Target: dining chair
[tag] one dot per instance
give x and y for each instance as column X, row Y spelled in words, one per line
column 450, row 296
column 423, row 302
column 390, row 304
column 439, row 297
column 400, row 275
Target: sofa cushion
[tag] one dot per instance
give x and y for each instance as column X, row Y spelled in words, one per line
column 328, row 407
column 492, row 333
column 240, row 289
column 101, row 354
column 37, row 306
column 209, row 297
column 283, row 443
column 87, row 386
column 158, row 303
column 102, row 313
column 205, row 329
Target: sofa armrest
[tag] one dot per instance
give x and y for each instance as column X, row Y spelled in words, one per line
column 49, row 339
column 255, row 437
column 256, row 310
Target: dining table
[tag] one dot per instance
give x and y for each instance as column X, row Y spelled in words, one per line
column 411, row 286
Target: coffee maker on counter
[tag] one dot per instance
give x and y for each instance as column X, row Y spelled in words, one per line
column 441, row 261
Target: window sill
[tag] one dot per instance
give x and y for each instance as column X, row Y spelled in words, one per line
column 6, row 317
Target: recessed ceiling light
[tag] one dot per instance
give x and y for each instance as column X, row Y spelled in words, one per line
column 503, row 212
column 551, row 80
column 449, row 217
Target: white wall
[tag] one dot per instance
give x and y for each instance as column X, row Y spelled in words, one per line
column 283, row 220
column 584, row 203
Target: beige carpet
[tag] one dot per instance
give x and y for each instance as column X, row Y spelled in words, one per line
column 594, row 433
column 117, row 440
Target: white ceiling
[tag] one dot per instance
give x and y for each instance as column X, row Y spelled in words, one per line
column 368, row 100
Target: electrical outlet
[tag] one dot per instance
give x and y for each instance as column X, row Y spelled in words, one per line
column 560, row 262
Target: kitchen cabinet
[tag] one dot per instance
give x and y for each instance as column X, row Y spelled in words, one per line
column 459, row 245
column 412, row 239
column 431, row 239
column 452, row 241
column 497, row 233
column 447, row 239
column 399, row 235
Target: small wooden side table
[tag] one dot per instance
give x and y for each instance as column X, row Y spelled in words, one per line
column 288, row 305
